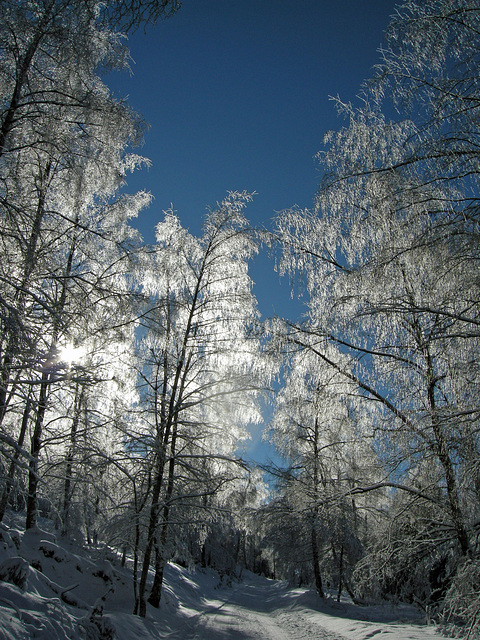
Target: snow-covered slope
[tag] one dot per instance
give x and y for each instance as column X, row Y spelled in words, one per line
column 53, row 589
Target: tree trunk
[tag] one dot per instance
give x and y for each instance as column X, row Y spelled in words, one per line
column 67, row 491
column 152, row 527
column 22, row 72
column 160, row 561
column 340, row 577
column 32, row 498
column 316, row 564
column 446, row 462
column 12, row 339
column 343, row 579
column 13, row 463
column 136, row 546
column 316, row 482
column 5, row 382
column 156, row 592
column 453, row 499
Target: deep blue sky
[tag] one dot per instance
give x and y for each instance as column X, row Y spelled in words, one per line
column 236, row 93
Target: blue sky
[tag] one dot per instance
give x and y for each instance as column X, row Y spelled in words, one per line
column 236, row 93
column 237, row 96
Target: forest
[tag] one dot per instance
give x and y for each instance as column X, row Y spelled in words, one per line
column 131, row 372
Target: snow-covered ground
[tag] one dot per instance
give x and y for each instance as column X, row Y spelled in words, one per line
column 259, row 609
column 63, row 591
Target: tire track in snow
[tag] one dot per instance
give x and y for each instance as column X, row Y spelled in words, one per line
column 300, row 628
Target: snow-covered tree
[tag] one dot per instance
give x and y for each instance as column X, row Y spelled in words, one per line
column 201, row 364
column 389, row 257
column 66, row 240
column 320, row 431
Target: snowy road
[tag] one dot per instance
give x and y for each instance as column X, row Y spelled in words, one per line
column 255, row 612
column 199, row 607
column 197, row 604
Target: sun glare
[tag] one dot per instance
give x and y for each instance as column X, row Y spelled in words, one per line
column 69, row 353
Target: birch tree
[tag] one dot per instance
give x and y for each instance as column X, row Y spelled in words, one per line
column 202, row 369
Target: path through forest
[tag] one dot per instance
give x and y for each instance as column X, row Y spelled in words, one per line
column 259, row 609
column 51, row 589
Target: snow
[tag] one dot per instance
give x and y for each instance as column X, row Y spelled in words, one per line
column 261, row 609
column 64, row 590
